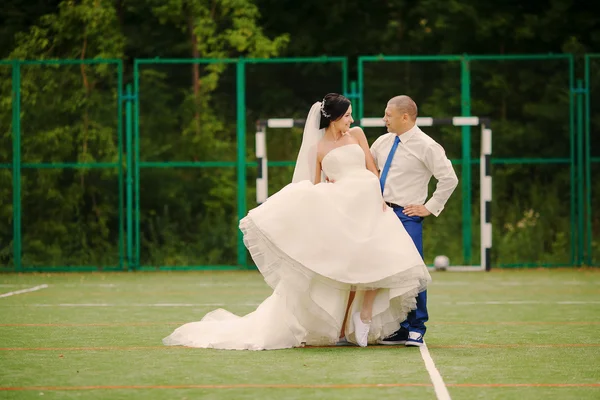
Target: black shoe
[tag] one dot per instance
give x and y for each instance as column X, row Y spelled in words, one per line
column 396, row 338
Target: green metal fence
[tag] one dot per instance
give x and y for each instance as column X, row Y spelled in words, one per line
column 43, row 137
column 7, row 195
column 534, row 155
column 142, row 163
column 561, row 144
column 591, row 116
column 420, row 76
column 244, row 74
column 482, row 82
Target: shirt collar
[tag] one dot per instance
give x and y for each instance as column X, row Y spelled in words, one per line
column 405, row 137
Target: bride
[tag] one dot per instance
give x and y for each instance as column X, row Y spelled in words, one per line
column 314, row 242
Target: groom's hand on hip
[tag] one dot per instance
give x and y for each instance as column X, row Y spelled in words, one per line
column 414, row 210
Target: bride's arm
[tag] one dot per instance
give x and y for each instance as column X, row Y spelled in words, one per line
column 359, row 135
column 317, row 178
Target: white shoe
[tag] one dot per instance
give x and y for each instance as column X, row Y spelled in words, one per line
column 361, row 330
column 415, row 339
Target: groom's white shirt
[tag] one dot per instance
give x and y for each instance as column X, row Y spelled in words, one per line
column 416, row 160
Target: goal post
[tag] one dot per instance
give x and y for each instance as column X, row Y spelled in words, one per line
column 485, row 170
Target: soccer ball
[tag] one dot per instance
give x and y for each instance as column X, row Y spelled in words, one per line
column 441, row 263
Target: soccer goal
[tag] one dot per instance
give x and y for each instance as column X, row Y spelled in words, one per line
column 485, row 173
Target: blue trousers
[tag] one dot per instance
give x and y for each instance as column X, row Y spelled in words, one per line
column 415, row 321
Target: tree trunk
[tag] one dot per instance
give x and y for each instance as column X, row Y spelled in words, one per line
column 86, row 123
column 195, row 72
column 86, row 85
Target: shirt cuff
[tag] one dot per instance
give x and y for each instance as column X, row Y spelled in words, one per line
column 434, row 207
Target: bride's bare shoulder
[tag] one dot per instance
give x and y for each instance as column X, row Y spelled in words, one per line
column 357, row 133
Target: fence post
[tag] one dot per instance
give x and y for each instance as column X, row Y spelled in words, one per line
column 136, row 160
column 573, row 170
column 120, row 161
column 354, row 97
column 465, row 92
column 361, row 89
column 588, row 163
column 241, row 155
column 16, row 162
column 580, row 176
column 344, row 75
column 129, row 180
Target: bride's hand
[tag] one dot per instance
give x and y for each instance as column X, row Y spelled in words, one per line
column 385, row 206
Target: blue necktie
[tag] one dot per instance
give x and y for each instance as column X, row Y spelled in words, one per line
column 388, row 163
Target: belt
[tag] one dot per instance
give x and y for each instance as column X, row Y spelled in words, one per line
column 393, row 205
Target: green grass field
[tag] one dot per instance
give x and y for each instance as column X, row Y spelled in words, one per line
column 499, row 335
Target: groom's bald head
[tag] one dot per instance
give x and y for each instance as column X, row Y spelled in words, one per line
column 400, row 114
column 404, row 104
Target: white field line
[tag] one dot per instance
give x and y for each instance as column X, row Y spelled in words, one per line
column 123, row 305
column 513, row 283
column 441, row 391
column 173, row 285
column 32, row 289
column 261, row 284
column 254, row 304
column 519, row 302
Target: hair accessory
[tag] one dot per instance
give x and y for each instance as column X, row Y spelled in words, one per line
column 323, row 110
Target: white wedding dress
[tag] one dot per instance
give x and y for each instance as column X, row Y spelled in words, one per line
column 313, row 244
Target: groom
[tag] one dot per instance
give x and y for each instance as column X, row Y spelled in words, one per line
column 407, row 158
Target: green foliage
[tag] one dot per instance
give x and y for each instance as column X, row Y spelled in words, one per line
column 68, row 114
column 189, row 216
column 187, row 113
column 223, row 28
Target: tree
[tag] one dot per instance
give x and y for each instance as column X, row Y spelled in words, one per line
column 68, row 115
column 202, row 128
column 188, row 111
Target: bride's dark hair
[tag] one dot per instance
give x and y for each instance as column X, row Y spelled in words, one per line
column 333, row 107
